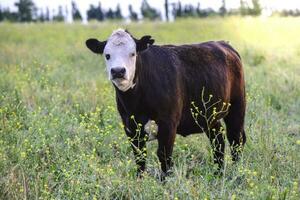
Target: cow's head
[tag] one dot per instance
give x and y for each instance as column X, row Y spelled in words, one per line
column 120, row 52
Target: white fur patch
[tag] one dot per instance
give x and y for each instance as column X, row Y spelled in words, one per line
column 120, row 37
column 152, row 129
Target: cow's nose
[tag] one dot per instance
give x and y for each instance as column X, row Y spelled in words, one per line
column 118, row 72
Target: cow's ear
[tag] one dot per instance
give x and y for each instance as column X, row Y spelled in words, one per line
column 95, row 45
column 143, row 43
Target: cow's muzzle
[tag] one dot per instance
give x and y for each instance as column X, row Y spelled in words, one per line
column 117, row 72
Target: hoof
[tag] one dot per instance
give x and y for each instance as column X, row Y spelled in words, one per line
column 164, row 175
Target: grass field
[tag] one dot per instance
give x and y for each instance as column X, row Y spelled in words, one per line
column 61, row 136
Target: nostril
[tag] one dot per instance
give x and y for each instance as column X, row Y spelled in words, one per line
column 122, row 70
column 113, row 71
column 118, row 72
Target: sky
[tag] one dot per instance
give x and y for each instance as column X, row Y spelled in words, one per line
column 83, row 5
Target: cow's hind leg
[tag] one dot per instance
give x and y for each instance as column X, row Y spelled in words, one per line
column 235, row 128
column 218, row 145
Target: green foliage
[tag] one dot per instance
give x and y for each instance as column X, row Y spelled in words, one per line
column 95, row 13
column 253, row 10
column 132, row 15
column 61, row 136
column 148, row 12
column 118, row 14
column 256, row 10
column 59, row 17
column 92, row 12
column 25, row 10
column 1, row 14
column 75, row 12
column 222, row 9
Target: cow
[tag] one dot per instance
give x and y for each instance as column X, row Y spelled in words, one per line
column 160, row 84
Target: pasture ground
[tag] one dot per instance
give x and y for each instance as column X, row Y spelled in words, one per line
column 61, row 136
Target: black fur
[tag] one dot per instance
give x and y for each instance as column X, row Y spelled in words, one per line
column 95, row 45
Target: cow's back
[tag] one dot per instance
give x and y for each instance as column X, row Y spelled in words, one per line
column 211, row 68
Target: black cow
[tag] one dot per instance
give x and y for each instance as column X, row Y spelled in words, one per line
column 164, row 82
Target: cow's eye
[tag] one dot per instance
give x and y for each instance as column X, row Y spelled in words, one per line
column 132, row 54
column 107, row 56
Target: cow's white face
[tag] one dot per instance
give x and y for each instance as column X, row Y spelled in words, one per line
column 120, row 56
column 120, row 52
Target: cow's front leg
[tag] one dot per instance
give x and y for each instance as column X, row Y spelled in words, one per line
column 166, row 137
column 139, row 150
column 137, row 138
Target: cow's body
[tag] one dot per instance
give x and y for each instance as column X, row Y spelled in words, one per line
column 167, row 80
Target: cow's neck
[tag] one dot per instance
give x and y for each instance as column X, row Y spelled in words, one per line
column 133, row 100
column 128, row 99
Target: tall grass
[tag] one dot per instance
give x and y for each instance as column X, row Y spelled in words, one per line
column 61, row 136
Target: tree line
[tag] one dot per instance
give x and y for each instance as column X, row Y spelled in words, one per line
column 28, row 12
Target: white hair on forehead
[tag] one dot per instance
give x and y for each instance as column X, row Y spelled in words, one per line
column 120, row 32
column 120, row 37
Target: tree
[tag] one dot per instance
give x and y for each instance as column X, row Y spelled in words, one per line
column 91, row 12
column 256, row 10
column 10, row 16
column 285, row 13
column 189, row 11
column 222, row 9
column 75, row 12
column 149, row 12
column 1, row 14
column 25, row 10
column 60, row 16
column 132, row 15
column 246, row 10
column 110, row 14
column 243, row 7
column 100, row 13
column 200, row 12
column 167, row 9
column 118, row 13
column 177, row 10
column 95, row 13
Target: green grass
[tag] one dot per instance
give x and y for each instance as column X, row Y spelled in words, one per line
column 61, row 136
